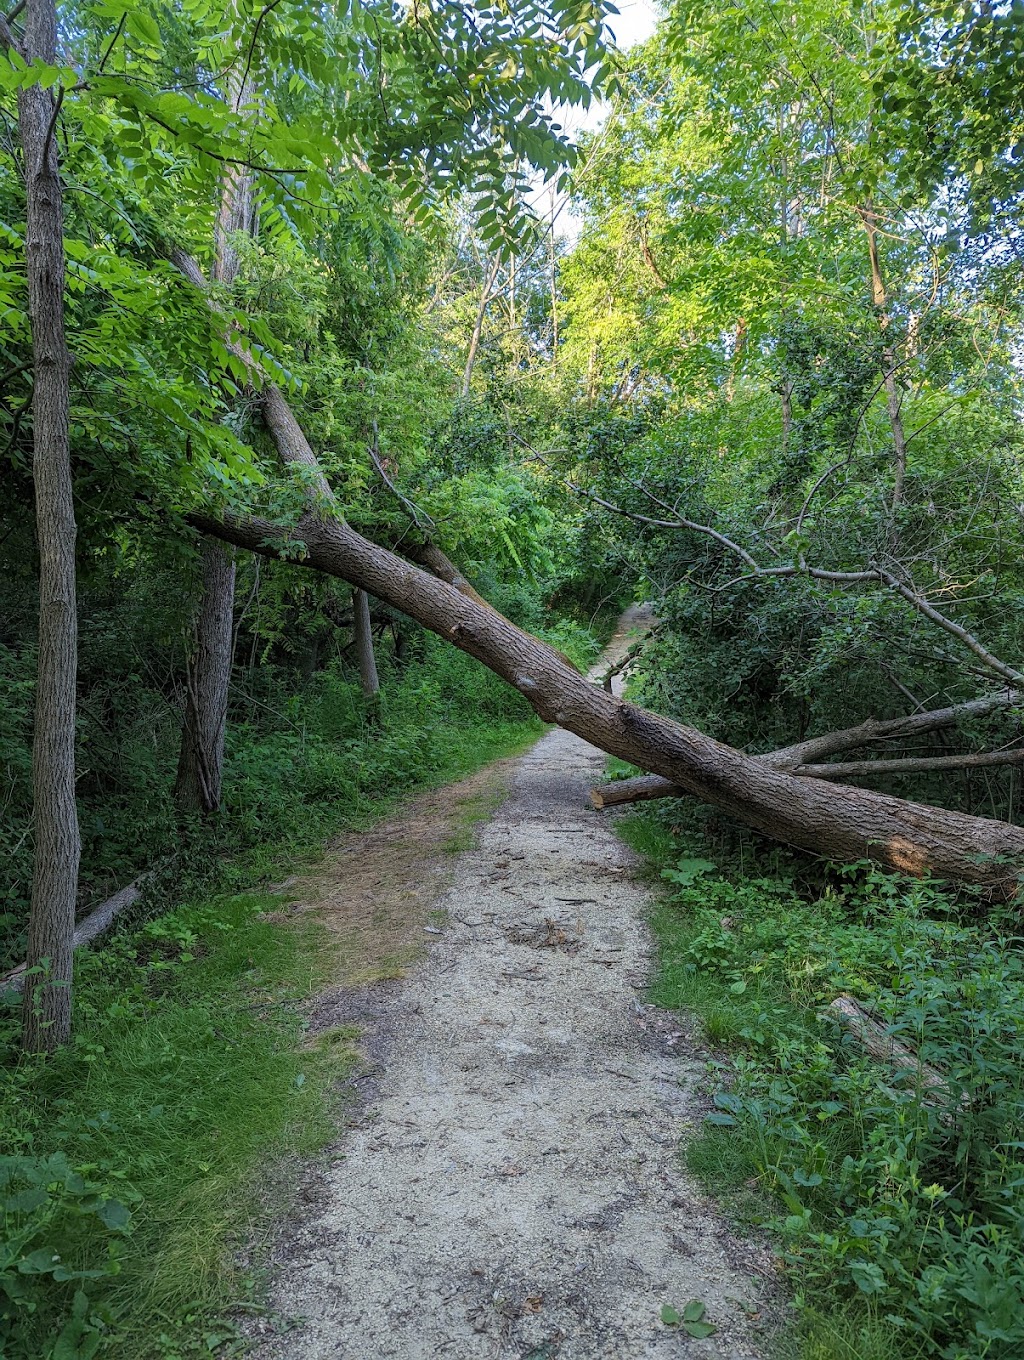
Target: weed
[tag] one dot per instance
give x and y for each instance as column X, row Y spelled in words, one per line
column 900, row 1209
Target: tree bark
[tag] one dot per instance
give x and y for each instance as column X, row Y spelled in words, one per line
column 879, row 1042
column 478, row 327
column 368, row 677
column 879, row 300
column 47, row 1009
column 201, row 756
column 843, row 823
column 801, row 759
column 90, row 928
column 201, row 761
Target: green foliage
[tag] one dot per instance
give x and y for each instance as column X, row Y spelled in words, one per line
column 140, row 1154
column 893, row 1196
column 58, row 1229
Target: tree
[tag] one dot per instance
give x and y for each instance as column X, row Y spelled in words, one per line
column 47, row 1014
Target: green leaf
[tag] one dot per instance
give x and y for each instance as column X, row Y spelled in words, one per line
column 669, row 1316
column 114, row 1214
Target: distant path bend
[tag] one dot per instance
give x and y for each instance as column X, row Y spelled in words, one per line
column 513, row 1189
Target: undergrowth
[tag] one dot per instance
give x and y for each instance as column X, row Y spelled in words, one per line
column 899, row 1206
column 134, row 1160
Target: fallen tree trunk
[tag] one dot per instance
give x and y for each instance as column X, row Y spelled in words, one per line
column 879, row 1042
column 90, row 928
column 800, row 759
column 842, row 823
column 646, row 787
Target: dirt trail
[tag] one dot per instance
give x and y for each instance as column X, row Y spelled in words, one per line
column 512, row 1186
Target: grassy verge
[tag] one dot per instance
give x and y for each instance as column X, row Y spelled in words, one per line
column 899, row 1210
column 135, row 1160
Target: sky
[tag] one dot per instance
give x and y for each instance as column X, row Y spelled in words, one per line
column 633, row 24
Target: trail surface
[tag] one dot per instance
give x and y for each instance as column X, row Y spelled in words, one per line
column 512, row 1187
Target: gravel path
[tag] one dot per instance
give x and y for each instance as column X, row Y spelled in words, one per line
column 512, row 1186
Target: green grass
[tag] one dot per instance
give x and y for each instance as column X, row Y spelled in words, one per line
column 186, row 1094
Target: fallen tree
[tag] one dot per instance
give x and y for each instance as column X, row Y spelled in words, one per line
column 802, row 759
column 843, row 822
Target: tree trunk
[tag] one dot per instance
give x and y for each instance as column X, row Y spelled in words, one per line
column 841, row 822
column 201, row 762
column 478, row 327
column 47, row 1010
column 364, row 646
column 201, row 756
column 553, row 285
column 844, row 823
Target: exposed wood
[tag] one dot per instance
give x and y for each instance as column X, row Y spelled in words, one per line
column 644, row 788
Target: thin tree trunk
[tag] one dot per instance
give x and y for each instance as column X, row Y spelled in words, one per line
column 201, row 762
column 553, row 282
column 47, row 1011
column 786, row 392
column 879, row 300
column 201, row 757
column 368, row 677
column 478, row 326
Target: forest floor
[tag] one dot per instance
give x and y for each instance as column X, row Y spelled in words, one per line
column 508, row 1180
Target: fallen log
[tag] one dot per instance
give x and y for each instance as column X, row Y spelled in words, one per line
column 840, row 822
column 881, row 1044
column 645, row 788
column 639, row 790
column 90, row 928
column 802, row 758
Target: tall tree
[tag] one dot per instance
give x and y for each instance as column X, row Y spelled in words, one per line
column 47, row 1013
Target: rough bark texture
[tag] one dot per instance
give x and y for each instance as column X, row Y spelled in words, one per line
column 201, row 762
column 798, row 759
column 368, row 677
column 843, row 823
column 47, row 1013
